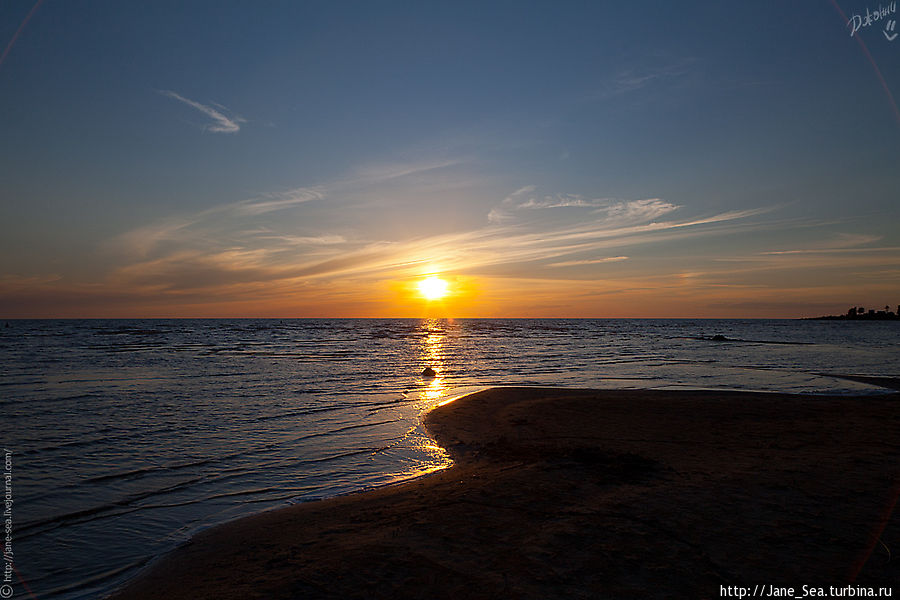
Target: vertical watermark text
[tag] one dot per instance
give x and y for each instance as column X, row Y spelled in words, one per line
column 6, row 589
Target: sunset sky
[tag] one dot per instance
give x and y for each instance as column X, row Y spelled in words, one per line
column 574, row 159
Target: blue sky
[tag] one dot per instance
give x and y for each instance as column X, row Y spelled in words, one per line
column 546, row 159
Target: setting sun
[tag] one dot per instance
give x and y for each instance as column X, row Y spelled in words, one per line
column 433, row 288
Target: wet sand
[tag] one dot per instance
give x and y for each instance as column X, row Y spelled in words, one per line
column 587, row 494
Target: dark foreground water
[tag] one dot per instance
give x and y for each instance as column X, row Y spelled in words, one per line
column 123, row 438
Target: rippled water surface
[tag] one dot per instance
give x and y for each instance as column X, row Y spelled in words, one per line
column 129, row 436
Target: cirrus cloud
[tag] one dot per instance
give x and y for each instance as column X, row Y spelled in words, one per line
column 221, row 123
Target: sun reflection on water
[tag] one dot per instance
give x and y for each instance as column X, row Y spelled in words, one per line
column 434, row 356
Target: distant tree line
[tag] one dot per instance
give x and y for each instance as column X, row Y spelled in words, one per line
column 859, row 313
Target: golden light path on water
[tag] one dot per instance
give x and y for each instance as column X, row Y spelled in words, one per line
column 433, row 354
column 435, row 390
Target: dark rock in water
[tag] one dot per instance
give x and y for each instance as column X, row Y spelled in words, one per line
column 429, row 372
column 719, row 338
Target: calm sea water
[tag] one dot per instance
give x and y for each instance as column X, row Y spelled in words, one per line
column 126, row 437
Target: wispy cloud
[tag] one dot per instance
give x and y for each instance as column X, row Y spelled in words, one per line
column 264, row 255
column 842, row 242
column 650, row 76
column 610, row 209
column 349, row 234
column 513, row 198
column 557, row 201
column 596, row 261
column 247, row 221
column 197, row 228
column 498, row 216
column 524, row 199
column 310, row 245
column 298, row 240
column 834, row 258
column 279, row 200
column 222, row 123
column 386, row 172
column 636, row 211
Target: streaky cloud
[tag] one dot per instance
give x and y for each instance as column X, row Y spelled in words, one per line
column 498, row 216
column 637, row 210
column 844, row 242
column 386, row 172
column 834, row 251
column 647, row 78
column 610, row 210
column 596, row 261
column 221, row 122
column 299, row 240
column 188, row 229
column 557, row 201
column 278, row 201
column 261, row 256
column 511, row 199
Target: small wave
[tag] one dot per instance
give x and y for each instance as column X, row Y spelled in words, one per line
column 722, row 338
column 288, row 495
column 24, row 383
column 298, row 413
column 80, row 442
column 362, row 425
column 130, row 331
column 134, row 473
column 240, row 493
column 46, row 400
column 309, row 436
column 99, row 580
column 88, row 514
column 376, row 406
column 42, row 526
column 342, row 455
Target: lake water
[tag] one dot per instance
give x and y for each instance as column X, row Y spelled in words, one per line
column 127, row 437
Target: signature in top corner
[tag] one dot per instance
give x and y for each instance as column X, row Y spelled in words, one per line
column 882, row 13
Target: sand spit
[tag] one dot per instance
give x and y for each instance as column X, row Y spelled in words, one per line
column 587, row 494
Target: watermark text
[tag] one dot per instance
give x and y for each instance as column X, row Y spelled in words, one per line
column 6, row 589
column 804, row 591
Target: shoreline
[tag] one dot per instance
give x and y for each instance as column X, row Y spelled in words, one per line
column 558, row 492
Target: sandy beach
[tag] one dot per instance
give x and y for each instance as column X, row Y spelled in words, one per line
column 587, row 494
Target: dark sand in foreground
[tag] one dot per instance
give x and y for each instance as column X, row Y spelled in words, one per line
column 587, row 494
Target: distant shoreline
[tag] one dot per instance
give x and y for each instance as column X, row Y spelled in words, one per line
column 888, row 317
column 571, row 493
column 861, row 314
